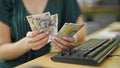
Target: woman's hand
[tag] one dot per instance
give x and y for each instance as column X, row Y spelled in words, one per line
column 37, row 39
column 63, row 43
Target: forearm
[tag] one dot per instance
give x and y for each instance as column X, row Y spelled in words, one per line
column 11, row 51
column 81, row 34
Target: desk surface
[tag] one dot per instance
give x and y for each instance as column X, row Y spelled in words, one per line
column 45, row 61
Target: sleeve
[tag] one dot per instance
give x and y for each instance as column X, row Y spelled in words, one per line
column 71, row 11
column 3, row 64
column 5, row 12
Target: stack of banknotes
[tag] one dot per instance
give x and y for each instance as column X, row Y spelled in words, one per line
column 48, row 22
column 44, row 21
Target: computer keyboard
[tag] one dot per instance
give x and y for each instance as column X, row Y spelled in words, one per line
column 92, row 52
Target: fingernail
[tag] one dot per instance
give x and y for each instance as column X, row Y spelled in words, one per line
column 64, row 38
column 29, row 34
column 41, row 30
column 55, row 38
column 47, row 32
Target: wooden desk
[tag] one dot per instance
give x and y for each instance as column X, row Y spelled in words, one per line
column 45, row 61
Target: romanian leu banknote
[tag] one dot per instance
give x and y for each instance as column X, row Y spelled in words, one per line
column 54, row 28
column 44, row 21
column 34, row 20
column 69, row 29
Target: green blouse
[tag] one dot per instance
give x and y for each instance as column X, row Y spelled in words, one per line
column 3, row 64
column 13, row 13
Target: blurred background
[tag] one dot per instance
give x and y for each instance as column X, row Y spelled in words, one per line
column 99, row 13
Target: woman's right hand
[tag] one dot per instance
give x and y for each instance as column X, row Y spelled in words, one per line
column 37, row 39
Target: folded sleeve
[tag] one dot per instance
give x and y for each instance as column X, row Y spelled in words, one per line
column 5, row 12
column 71, row 11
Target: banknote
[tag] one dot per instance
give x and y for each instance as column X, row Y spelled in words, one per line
column 69, row 29
column 54, row 27
column 44, row 21
column 55, row 23
column 34, row 20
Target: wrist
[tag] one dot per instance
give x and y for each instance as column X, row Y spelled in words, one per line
column 25, row 44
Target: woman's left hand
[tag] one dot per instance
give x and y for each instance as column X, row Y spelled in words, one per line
column 63, row 43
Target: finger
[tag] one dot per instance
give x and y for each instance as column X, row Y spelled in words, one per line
column 34, row 33
column 63, row 42
column 39, row 37
column 69, row 39
column 40, row 44
column 60, row 45
column 28, row 34
column 57, row 47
